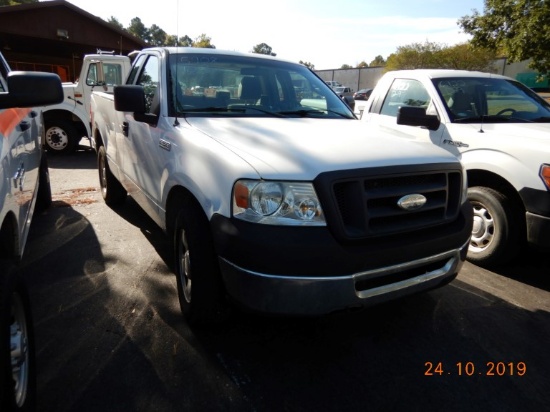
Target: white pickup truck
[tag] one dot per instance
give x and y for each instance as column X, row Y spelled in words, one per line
column 499, row 128
column 69, row 121
column 280, row 200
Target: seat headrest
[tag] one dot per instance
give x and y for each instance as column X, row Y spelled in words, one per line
column 250, row 88
column 461, row 101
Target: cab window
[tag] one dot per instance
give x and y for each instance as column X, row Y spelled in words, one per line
column 405, row 92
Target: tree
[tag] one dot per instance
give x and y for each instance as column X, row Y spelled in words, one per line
column 138, row 29
column 465, row 56
column 518, row 28
column 362, row 64
column 263, row 48
column 173, row 40
column 157, row 36
column 377, row 62
column 114, row 21
column 346, row 66
column 16, row 2
column 309, row 65
column 430, row 55
column 203, row 41
column 413, row 56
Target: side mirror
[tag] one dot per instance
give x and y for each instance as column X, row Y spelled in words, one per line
column 131, row 98
column 349, row 101
column 31, row 89
column 416, row 116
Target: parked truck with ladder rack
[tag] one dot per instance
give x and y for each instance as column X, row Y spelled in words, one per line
column 68, row 122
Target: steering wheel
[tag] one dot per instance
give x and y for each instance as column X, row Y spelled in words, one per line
column 512, row 111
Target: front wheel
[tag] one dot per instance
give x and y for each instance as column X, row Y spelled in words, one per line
column 111, row 189
column 17, row 363
column 496, row 228
column 61, row 137
column 200, row 287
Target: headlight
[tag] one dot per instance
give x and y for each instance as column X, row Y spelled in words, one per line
column 545, row 175
column 277, row 203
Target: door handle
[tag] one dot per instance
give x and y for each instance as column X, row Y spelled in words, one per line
column 125, row 128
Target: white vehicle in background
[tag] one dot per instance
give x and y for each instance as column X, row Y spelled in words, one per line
column 333, row 84
column 499, row 128
column 69, row 121
column 24, row 186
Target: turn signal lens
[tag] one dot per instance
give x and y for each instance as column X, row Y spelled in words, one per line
column 545, row 175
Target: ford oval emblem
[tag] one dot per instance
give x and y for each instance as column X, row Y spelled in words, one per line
column 412, row 202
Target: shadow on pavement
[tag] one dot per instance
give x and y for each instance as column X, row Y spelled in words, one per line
column 110, row 337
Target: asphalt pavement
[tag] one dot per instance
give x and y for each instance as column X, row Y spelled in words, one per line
column 110, row 335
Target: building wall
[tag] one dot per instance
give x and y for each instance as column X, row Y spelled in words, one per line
column 55, row 35
column 367, row 77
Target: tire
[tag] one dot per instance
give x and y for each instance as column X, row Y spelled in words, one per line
column 112, row 191
column 44, row 195
column 200, row 288
column 61, row 137
column 496, row 231
column 17, row 362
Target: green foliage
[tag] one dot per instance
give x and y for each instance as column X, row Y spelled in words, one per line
column 309, row 65
column 430, row 55
column 156, row 36
column 138, row 29
column 518, row 28
column 362, row 64
column 263, row 48
column 346, row 66
column 378, row 62
column 16, row 2
column 114, row 21
column 172, row 40
column 204, row 42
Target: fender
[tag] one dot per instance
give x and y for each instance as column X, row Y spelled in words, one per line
column 68, row 107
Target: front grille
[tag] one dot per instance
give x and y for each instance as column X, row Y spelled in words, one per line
column 366, row 204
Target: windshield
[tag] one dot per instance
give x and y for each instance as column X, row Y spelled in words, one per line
column 491, row 100
column 226, row 85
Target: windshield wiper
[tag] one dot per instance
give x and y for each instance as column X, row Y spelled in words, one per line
column 543, row 119
column 223, row 109
column 243, row 109
column 307, row 112
column 204, row 109
column 492, row 119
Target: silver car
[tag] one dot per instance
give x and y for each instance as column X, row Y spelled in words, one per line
column 24, row 186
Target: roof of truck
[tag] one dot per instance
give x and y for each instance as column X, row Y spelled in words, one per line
column 439, row 73
column 203, row 50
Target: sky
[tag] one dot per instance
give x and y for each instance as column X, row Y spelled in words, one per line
column 326, row 34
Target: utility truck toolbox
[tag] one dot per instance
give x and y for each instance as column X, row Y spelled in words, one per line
column 274, row 195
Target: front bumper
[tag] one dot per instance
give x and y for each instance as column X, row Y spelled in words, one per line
column 538, row 231
column 307, row 271
column 537, row 217
column 308, row 296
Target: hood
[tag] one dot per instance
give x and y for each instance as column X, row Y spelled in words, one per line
column 302, row 148
column 538, row 131
column 508, row 137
